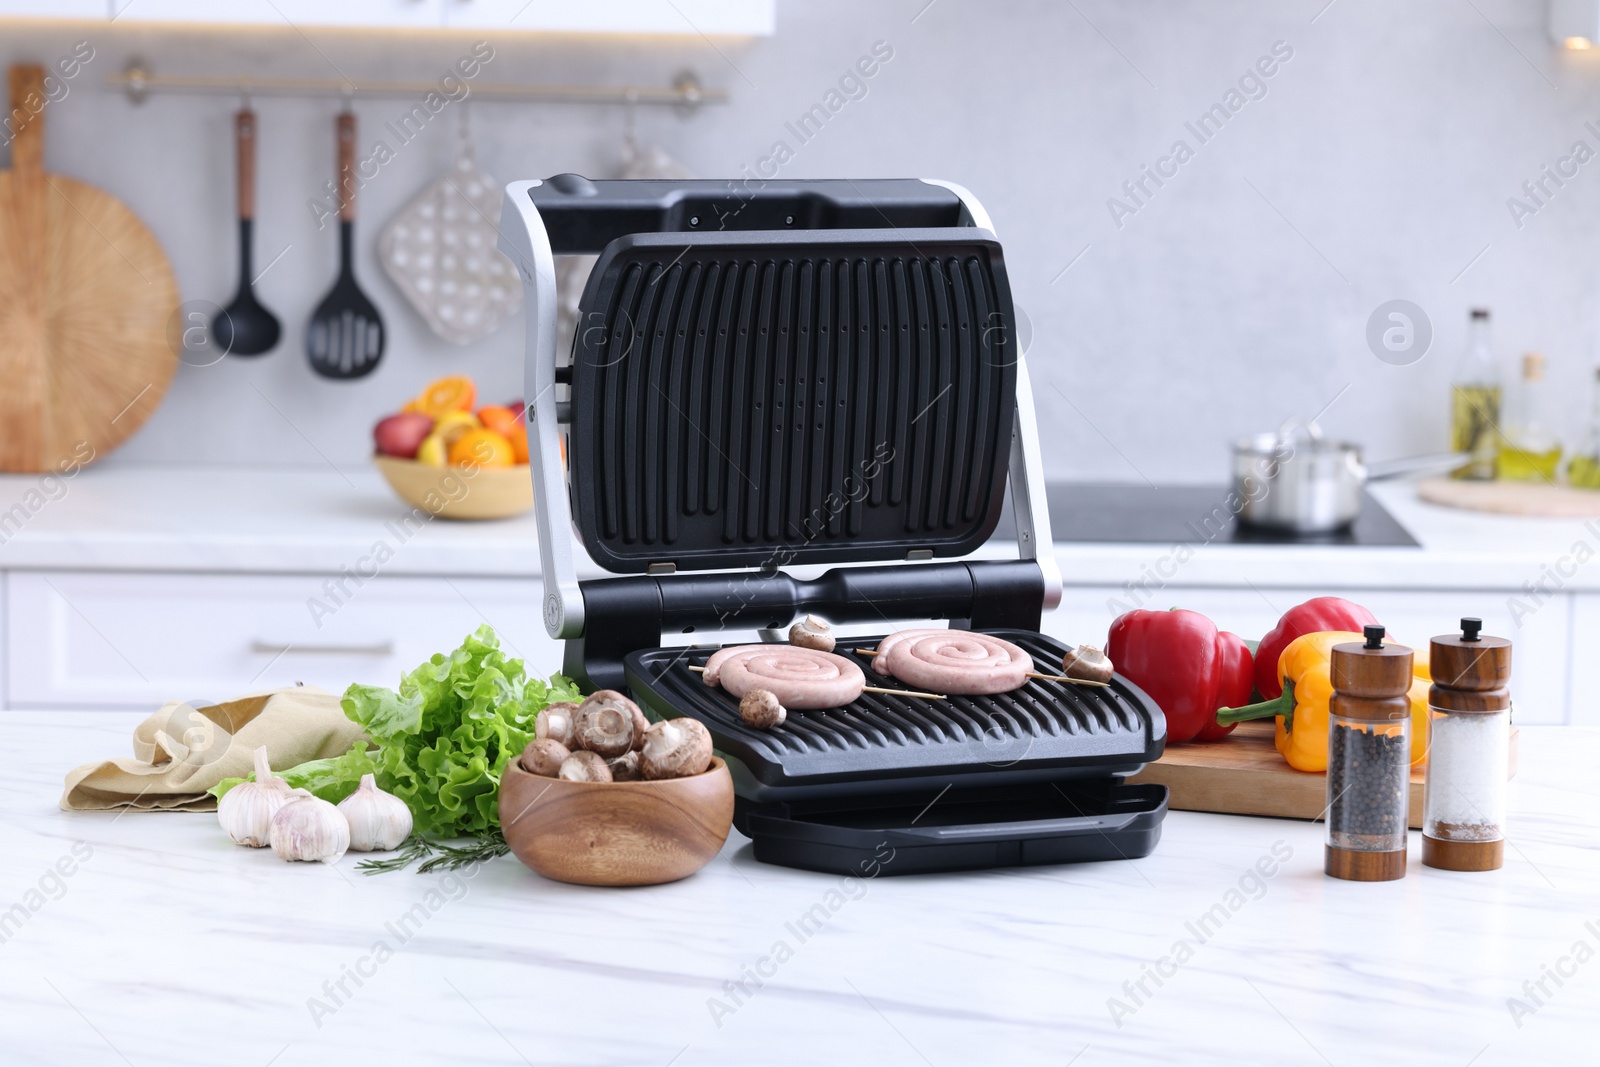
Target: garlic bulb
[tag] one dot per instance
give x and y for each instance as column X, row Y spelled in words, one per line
column 310, row 829
column 378, row 821
column 246, row 810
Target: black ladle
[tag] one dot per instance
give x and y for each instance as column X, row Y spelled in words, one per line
column 345, row 335
column 244, row 327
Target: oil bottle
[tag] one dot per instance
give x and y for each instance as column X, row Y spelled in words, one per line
column 1529, row 451
column 1475, row 403
column 1584, row 470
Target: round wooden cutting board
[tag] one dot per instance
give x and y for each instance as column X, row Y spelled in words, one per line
column 85, row 296
column 1533, row 499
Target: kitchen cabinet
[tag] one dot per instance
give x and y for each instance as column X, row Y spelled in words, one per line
column 1539, row 682
column 95, row 639
column 734, row 18
column 712, row 18
column 195, row 567
column 53, row 9
column 1584, row 680
column 390, row 14
column 98, row 639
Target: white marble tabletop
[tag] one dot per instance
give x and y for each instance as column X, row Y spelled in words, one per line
column 149, row 938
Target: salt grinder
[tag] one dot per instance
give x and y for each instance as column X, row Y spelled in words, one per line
column 1369, row 759
column 1464, row 800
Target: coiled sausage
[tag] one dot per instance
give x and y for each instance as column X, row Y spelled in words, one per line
column 801, row 678
column 953, row 661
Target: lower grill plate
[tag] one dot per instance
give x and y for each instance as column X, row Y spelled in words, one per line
column 1042, row 731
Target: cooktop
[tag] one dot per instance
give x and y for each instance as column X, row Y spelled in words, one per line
column 1187, row 514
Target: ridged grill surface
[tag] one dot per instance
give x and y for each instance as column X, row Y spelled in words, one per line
column 814, row 400
column 1043, row 723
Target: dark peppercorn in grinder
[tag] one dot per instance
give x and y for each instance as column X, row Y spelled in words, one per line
column 1369, row 759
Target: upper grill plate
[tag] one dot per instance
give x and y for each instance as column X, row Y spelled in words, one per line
column 761, row 399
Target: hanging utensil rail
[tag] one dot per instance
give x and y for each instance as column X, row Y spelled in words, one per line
column 686, row 91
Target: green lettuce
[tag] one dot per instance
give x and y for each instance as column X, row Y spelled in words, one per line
column 442, row 740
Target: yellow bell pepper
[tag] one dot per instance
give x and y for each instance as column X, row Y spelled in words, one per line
column 1306, row 668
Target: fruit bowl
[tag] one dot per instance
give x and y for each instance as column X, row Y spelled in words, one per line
column 616, row 833
column 452, row 492
column 453, row 460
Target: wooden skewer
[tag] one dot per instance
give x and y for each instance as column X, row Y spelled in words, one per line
column 903, row 692
column 1031, row 674
column 873, row 689
column 1064, row 678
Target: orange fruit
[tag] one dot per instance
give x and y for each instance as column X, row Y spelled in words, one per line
column 446, row 395
column 502, row 420
column 519, row 443
column 481, row 448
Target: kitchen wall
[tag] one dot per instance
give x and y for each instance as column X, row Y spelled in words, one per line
column 1374, row 163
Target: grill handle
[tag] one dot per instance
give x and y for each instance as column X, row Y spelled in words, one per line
column 1058, row 827
column 583, row 216
column 623, row 615
column 970, row 833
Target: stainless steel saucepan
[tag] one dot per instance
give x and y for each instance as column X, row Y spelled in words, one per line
column 1299, row 481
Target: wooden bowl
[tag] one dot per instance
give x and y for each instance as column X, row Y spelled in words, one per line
column 459, row 492
column 616, row 833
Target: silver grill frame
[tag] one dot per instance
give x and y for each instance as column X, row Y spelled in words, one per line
column 524, row 239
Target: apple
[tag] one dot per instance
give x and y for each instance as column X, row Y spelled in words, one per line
column 400, row 435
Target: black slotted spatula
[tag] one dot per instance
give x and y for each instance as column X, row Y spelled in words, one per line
column 345, row 335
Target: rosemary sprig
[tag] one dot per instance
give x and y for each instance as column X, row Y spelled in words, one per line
column 412, row 849
column 437, row 856
column 484, row 847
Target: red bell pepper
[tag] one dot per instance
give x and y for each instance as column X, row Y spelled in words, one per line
column 1188, row 666
column 1315, row 616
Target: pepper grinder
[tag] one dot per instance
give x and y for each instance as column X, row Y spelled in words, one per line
column 1464, row 800
column 1369, row 759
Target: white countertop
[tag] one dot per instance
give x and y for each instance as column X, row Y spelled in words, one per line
column 266, row 520
column 1458, row 550
column 302, row 520
column 167, row 944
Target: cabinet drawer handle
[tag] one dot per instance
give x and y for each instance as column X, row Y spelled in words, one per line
column 280, row 648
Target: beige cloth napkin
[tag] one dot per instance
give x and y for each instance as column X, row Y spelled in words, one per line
column 181, row 750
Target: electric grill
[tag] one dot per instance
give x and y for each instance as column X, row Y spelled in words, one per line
column 792, row 373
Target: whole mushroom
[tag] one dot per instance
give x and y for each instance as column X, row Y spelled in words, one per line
column 544, row 756
column 760, row 708
column 604, row 723
column 625, row 768
column 812, row 632
column 675, row 748
column 584, row 766
column 555, row 722
column 1088, row 663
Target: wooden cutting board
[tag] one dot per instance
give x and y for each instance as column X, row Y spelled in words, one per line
column 1245, row 775
column 85, row 297
column 1536, row 499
